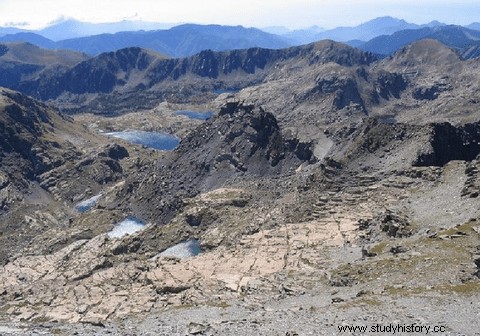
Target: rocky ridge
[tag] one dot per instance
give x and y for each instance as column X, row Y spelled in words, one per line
column 24, row 61
column 242, row 141
column 111, row 82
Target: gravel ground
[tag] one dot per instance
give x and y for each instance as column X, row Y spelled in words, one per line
column 306, row 314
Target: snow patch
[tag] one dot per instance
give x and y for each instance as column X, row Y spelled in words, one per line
column 186, row 249
column 126, row 227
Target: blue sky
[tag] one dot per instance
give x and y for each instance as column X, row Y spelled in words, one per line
column 250, row 13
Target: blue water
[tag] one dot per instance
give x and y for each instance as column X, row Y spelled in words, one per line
column 87, row 204
column 196, row 115
column 186, row 249
column 155, row 140
column 128, row 226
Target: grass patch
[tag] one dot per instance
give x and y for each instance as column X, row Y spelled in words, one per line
column 373, row 302
column 57, row 331
column 396, row 291
column 218, row 304
column 466, row 229
column 379, row 248
column 362, row 301
column 467, row 288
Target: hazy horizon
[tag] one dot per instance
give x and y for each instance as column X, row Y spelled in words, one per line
column 292, row 14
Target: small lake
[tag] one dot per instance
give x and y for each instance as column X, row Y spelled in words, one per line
column 196, row 115
column 87, row 204
column 155, row 140
column 128, row 226
column 186, row 249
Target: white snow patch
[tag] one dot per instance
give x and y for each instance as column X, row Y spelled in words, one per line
column 128, row 226
column 186, row 249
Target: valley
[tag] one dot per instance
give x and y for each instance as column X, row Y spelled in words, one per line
column 270, row 191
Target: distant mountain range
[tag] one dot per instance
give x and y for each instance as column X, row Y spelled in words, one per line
column 68, row 29
column 73, row 29
column 180, row 41
column 359, row 34
column 366, row 31
column 382, row 36
column 10, row 30
column 30, row 37
column 475, row 26
column 460, row 38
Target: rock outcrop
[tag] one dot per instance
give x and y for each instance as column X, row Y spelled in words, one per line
column 242, row 141
column 24, row 143
column 449, row 143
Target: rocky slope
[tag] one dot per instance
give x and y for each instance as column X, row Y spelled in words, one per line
column 360, row 228
column 419, row 84
column 23, row 61
column 27, row 146
column 46, row 162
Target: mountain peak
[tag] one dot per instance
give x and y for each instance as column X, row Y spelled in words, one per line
column 426, row 51
column 340, row 53
column 384, row 25
column 385, row 19
column 434, row 23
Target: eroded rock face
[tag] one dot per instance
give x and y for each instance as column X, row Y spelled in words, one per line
column 24, row 128
column 389, row 85
column 430, row 92
column 397, row 146
column 451, row 143
column 345, row 90
column 472, row 183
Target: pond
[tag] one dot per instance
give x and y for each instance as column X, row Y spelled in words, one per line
column 87, row 204
column 155, row 140
column 128, row 226
column 195, row 114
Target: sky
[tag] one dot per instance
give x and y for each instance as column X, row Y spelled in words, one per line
column 293, row 14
